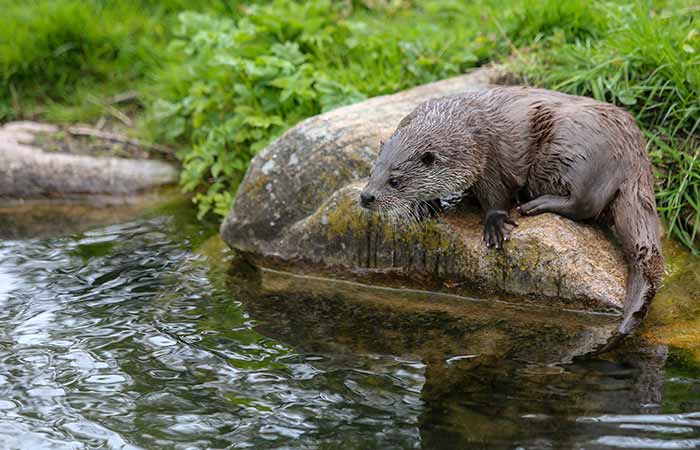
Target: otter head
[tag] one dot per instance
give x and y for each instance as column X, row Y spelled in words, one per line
column 416, row 167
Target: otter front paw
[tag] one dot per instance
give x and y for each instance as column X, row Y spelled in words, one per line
column 495, row 229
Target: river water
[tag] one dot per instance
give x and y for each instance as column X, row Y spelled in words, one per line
column 129, row 336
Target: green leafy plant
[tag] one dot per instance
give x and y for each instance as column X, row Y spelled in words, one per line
column 238, row 84
column 246, row 82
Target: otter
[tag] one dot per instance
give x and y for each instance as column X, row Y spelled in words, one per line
column 538, row 150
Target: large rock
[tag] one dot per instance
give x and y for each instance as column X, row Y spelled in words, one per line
column 28, row 171
column 298, row 203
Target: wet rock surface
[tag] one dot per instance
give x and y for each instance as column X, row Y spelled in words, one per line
column 297, row 204
column 30, row 169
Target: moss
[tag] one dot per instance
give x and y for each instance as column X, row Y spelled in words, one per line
column 676, row 258
column 328, row 181
column 430, row 236
column 345, row 218
column 258, row 186
column 675, row 316
column 497, row 258
column 530, row 256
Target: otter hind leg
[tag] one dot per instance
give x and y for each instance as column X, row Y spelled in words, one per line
column 572, row 208
column 558, row 204
column 591, row 190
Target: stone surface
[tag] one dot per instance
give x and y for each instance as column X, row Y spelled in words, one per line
column 27, row 171
column 298, row 203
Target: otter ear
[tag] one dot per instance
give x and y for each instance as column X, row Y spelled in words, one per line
column 428, row 158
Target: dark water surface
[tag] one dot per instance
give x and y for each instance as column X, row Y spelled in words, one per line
column 126, row 336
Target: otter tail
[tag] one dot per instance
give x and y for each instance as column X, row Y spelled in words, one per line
column 637, row 226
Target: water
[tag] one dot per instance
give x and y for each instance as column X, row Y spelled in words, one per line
column 126, row 336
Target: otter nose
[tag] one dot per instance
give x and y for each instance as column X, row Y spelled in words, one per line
column 366, row 199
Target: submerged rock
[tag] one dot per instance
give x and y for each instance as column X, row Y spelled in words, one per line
column 28, row 170
column 298, row 204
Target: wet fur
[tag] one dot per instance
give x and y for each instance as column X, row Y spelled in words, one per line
column 569, row 155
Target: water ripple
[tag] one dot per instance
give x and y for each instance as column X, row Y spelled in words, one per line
column 123, row 337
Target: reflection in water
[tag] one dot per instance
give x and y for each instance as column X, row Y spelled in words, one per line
column 123, row 337
column 488, row 396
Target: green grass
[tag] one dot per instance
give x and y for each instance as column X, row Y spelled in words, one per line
column 222, row 80
column 61, row 59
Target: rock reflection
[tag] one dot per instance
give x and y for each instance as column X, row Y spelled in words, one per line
column 493, row 374
column 435, row 326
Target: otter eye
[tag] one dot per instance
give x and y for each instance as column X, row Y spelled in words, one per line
column 428, row 158
column 394, row 182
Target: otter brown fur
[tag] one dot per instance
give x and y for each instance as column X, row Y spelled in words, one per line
column 574, row 156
